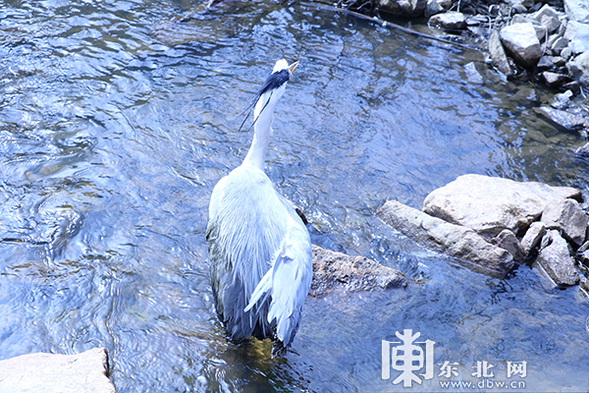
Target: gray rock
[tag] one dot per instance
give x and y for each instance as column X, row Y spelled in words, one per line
column 449, row 21
column 507, row 241
column 557, row 261
column 545, row 63
column 579, row 68
column 49, row 373
column 557, row 44
column 566, row 53
column 577, row 10
column 521, row 42
column 548, row 18
column 578, row 35
column 333, row 270
column 531, row 240
column 472, row 74
column 432, row 7
column 455, row 240
column 554, row 79
column 583, row 254
column 566, row 215
column 498, row 55
column 562, row 101
column 403, row 7
column 562, row 118
column 491, row 204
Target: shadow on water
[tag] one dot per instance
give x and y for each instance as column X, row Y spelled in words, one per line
column 117, row 124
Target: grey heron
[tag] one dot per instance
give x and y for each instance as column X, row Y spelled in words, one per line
column 259, row 248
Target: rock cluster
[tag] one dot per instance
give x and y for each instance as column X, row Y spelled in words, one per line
column 494, row 223
column 548, row 41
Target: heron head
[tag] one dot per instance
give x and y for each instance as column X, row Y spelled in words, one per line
column 279, row 76
column 273, row 88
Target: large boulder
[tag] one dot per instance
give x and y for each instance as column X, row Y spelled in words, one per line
column 555, row 258
column 334, row 270
column 48, row 373
column 489, row 205
column 521, row 42
column 455, row 240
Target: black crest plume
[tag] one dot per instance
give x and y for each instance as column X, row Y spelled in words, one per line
column 273, row 81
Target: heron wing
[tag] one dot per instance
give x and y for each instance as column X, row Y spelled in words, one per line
column 288, row 281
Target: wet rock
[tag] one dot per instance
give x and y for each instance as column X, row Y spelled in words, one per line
column 562, row 101
column 498, row 55
column 577, row 10
column 531, row 240
column 521, row 42
column 566, row 215
column 507, row 241
column 472, row 74
column 556, row 260
column 449, row 21
column 554, row 79
column 49, row 373
column 455, row 240
column 491, row 204
column 333, row 270
column 562, row 118
column 572, row 86
column 578, row 35
column 583, row 150
column 403, row 7
column 579, row 68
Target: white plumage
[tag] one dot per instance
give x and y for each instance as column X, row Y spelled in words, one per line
column 259, row 249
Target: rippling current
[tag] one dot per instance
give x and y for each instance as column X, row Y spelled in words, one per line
column 116, row 122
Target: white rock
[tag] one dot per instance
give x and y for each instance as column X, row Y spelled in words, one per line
column 579, row 68
column 49, row 373
column 521, row 42
column 449, row 21
column 491, row 204
column 578, row 35
column 577, row 10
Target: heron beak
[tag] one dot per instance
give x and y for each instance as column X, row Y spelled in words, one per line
column 292, row 67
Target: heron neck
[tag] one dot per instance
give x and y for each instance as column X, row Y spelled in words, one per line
column 263, row 115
